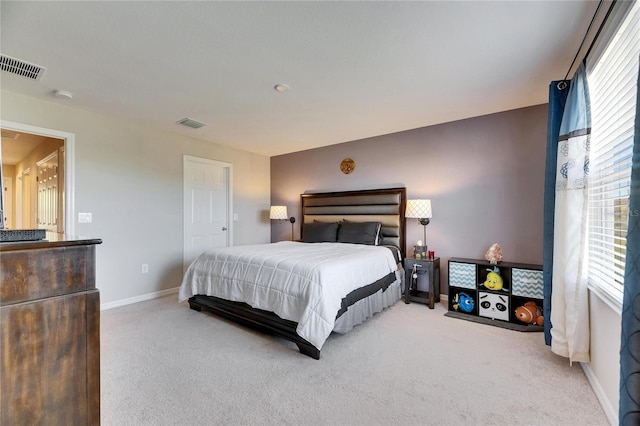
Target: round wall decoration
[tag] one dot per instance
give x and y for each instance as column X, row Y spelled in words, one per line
column 347, row 166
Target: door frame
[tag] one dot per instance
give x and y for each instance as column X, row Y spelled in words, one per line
column 18, row 197
column 69, row 165
column 229, row 192
column 7, row 181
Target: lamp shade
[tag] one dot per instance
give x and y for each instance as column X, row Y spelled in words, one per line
column 278, row 212
column 420, row 209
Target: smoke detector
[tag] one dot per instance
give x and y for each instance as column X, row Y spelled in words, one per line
column 62, row 94
column 21, row 68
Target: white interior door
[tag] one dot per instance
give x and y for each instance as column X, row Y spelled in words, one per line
column 207, row 206
column 49, row 195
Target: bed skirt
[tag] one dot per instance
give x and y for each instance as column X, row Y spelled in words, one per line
column 367, row 307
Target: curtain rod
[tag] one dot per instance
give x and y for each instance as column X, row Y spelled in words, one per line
column 595, row 38
column 604, row 21
column 584, row 39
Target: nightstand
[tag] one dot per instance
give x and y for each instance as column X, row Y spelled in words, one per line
column 432, row 269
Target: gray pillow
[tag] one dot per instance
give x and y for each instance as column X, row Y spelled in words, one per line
column 320, row 232
column 359, row 233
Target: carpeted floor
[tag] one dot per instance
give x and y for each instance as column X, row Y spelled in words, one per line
column 164, row 364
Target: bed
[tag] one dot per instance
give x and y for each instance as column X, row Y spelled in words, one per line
column 345, row 268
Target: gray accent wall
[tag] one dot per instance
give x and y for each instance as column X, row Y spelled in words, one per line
column 484, row 176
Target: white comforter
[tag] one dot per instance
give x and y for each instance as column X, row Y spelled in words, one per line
column 301, row 282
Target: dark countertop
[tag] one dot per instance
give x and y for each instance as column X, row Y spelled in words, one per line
column 52, row 239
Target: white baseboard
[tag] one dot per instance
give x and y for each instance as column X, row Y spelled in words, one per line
column 444, row 299
column 609, row 410
column 136, row 299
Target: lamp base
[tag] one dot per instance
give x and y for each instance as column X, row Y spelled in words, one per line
column 424, row 223
column 420, row 252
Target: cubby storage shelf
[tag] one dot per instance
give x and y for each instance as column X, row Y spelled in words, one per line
column 490, row 294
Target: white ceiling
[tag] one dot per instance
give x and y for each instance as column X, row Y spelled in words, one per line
column 18, row 146
column 356, row 69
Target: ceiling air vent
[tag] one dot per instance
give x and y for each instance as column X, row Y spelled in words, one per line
column 21, row 68
column 191, row 123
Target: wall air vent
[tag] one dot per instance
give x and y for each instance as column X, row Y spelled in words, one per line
column 190, row 123
column 21, row 68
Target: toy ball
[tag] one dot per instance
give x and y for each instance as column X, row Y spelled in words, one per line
column 530, row 313
column 494, row 254
column 494, row 280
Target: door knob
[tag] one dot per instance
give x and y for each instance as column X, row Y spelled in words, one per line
column 224, row 228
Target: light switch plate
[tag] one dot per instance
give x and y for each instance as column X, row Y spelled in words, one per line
column 84, row 218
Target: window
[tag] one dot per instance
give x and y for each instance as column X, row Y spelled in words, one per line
column 612, row 86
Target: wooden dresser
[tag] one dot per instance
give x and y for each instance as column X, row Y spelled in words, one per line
column 49, row 332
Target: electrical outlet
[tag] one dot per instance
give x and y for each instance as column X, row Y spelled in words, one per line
column 145, row 268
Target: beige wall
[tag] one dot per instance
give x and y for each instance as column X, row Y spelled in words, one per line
column 604, row 369
column 129, row 176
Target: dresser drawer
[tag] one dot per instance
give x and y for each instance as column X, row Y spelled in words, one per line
column 41, row 273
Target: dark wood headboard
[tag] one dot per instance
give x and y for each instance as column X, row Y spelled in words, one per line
column 386, row 206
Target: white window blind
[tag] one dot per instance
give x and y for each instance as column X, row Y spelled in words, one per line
column 612, row 87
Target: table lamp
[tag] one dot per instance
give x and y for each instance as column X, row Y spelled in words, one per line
column 421, row 210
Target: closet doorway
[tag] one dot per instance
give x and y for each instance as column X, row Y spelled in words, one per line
column 35, row 162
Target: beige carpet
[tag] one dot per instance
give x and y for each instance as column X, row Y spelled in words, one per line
column 164, row 364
